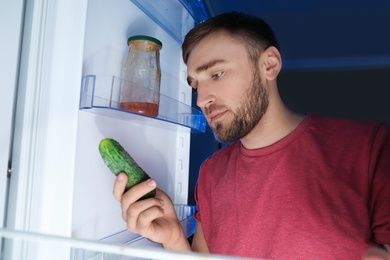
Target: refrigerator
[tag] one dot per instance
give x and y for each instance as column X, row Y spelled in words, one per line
column 61, row 71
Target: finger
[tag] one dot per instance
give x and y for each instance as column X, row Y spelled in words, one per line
column 135, row 193
column 139, row 190
column 146, row 218
column 120, row 185
column 149, row 209
column 168, row 204
column 376, row 254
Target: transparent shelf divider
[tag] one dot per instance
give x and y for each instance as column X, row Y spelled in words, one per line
column 101, row 95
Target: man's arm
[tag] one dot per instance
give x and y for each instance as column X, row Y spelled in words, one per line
column 198, row 241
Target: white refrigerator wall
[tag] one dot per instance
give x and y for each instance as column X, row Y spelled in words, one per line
column 160, row 148
column 11, row 17
column 44, row 143
column 45, row 130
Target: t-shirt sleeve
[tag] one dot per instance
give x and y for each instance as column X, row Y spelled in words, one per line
column 202, row 192
column 380, row 185
column 197, row 211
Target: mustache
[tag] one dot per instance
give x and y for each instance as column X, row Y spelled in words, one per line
column 209, row 109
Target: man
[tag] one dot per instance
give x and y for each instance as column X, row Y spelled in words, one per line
column 288, row 186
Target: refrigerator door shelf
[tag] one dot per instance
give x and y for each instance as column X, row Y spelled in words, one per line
column 175, row 17
column 101, row 95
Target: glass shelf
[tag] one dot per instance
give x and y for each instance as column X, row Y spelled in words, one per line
column 101, row 95
column 179, row 13
column 17, row 245
column 21, row 245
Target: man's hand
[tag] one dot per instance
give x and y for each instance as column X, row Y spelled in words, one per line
column 376, row 254
column 153, row 218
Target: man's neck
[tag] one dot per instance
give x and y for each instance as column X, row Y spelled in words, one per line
column 276, row 124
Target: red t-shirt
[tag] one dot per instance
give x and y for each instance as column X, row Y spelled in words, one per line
column 322, row 192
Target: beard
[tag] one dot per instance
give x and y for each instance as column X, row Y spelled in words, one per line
column 248, row 114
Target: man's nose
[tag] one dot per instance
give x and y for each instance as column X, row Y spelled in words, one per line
column 205, row 97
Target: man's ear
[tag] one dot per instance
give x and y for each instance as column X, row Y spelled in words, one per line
column 271, row 61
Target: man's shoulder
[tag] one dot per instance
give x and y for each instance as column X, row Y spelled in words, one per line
column 344, row 125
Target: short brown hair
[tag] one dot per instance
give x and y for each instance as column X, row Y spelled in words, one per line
column 254, row 32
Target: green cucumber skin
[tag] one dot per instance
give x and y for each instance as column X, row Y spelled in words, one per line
column 119, row 160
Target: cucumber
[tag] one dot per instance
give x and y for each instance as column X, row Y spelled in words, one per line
column 119, row 160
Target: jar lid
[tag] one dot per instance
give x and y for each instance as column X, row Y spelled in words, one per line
column 144, row 37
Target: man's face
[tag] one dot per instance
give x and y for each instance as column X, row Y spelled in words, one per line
column 229, row 86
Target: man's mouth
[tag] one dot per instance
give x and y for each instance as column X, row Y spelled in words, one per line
column 214, row 116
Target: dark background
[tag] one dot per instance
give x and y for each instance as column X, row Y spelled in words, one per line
column 362, row 94
column 336, row 60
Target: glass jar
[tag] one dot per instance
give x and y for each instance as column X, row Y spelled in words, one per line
column 140, row 91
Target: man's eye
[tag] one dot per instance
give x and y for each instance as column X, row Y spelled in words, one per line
column 217, row 75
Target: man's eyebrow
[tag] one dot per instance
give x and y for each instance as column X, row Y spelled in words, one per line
column 204, row 67
column 209, row 65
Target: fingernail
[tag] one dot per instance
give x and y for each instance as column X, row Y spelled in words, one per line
column 152, row 183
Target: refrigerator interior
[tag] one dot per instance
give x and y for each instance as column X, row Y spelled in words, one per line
column 161, row 148
column 60, row 185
